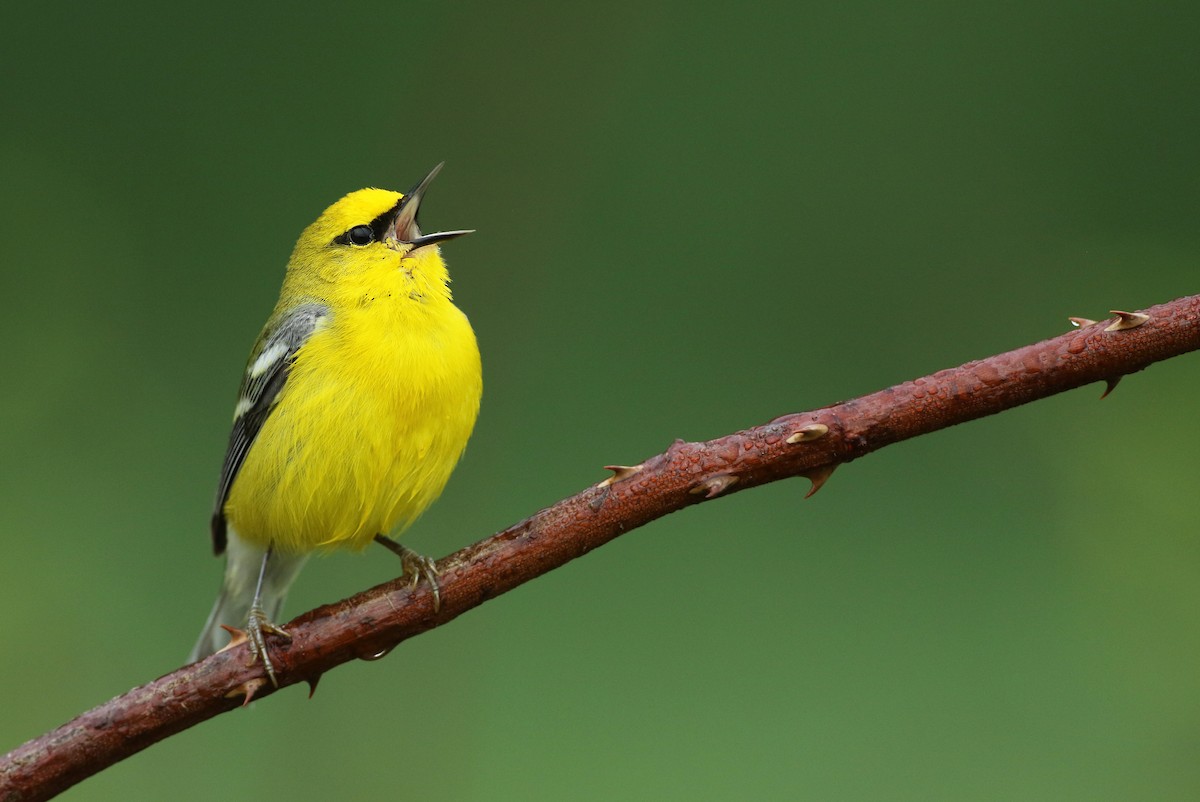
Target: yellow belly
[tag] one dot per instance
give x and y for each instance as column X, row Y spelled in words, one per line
column 372, row 420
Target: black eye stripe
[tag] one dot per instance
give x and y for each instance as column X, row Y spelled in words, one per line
column 359, row 235
column 378, row 228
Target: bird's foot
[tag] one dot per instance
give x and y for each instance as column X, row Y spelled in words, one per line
column 416, row 567
column 257, row 628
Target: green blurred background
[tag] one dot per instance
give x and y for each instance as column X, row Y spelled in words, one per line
column 691, row 219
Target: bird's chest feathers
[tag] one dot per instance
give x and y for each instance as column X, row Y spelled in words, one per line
column 390, row 354
column 393, row 290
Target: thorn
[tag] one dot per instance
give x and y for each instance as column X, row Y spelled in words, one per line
column 312, row 684
column 714, row 485
column 819, row 476
column 1080, row 322
column 1126, row 320
column 1110, row 385
column 806, row 434
column 620, row 473
column 247, row 688
column 237, row 638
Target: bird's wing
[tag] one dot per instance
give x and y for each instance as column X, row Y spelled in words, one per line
column 266, row 374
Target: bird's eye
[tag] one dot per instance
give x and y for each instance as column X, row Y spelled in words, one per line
column 360, row 235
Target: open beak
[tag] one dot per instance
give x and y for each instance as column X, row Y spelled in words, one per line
column 405, row 228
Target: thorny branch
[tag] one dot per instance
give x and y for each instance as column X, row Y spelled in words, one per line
column 807, row 444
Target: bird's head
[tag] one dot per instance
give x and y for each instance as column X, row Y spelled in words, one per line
column 368, row 235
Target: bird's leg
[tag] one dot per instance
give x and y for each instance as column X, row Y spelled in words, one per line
column 416, row 566
column 259, row 625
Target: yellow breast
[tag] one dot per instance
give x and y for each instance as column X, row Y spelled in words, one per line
column 375, row 413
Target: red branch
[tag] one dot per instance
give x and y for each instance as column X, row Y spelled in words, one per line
column 806, row 444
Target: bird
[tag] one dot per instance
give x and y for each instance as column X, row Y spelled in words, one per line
column 356, row 404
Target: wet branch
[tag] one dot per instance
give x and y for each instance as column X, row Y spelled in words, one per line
column 807, row 444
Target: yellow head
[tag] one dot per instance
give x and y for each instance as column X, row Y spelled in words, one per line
column 368, row 241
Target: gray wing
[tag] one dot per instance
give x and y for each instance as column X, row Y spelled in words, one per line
column 266, row 374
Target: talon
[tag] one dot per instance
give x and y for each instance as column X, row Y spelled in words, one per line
column 416, row 566
column 257, row 628
column 420, row 567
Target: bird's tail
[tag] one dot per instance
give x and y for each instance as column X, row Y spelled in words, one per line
column 242, row 564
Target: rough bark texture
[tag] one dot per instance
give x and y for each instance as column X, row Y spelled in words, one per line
column 805, row 444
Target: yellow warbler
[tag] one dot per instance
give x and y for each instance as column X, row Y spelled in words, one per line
column 357, row 401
